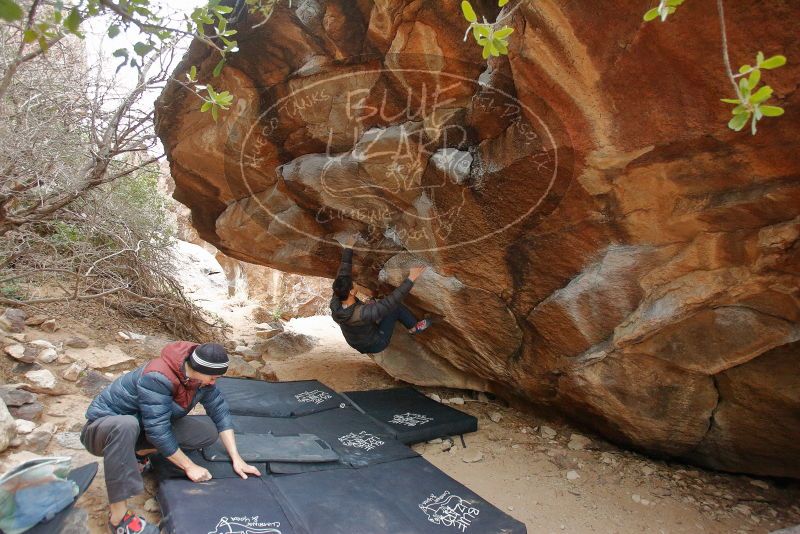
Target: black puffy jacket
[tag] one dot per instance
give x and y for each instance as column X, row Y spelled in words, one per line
column 359, row 322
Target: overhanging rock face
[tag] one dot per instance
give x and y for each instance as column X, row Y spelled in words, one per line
column 598, row 240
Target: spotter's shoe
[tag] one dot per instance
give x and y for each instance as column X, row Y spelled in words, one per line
column 133, row 524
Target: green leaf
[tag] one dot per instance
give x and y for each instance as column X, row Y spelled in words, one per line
column 772, row 111
column 29, row 36
column 744, row 87
column 120, row 52
column 486, row 51
column 211, row 92
column 761, row 95
column 754, row 78
column 206, row 106
column 224, row 9
column 738, row 122
column 10, row 10
column 501, row 3
column 113, row 31
column 744, row 69
column 469, row 13
column 481, row 30
column 651, row 14
column 503, row 32
column 215, row 113
column 730, row 100
column 738, row 110
column 759, row 58
column 501, row 46
column 673, row 3
column 193, row 73
column 218, row 68
column 773, row 63
column 142, row 48
column 73, row 20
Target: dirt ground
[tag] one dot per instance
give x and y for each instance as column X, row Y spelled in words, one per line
column 515, row 464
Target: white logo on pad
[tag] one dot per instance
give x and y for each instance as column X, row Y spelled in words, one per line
column 316, row 396
column 362, row 440
column 246, row 525
column 449, row 510
column 410, row 419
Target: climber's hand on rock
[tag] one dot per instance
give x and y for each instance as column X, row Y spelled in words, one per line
column 415, row 272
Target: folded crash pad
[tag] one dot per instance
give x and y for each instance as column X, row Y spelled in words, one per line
column 83, row 477
column 223, row 506
column 302, row 448
column 411, row 417
column 164, row 469
column 404, row 496
column 355, row 438
column 277, row 399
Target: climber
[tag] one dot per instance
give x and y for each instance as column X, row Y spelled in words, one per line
column 368, row 326
column 143, row 411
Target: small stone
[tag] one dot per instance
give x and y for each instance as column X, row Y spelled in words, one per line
column 447, row 445
column 482, row 397
column 64, row 359
column 47, row 355
column 435, row 397
column 39, row 439
column 30, row 412
column 24, row 426
column 122, row 336
column 636, row 498
column 436, row 441
column 19, row 338
column 42, row 379
column 49, row 325
column 8, row 427
column 36, row 320
column 510, row 508
column 43, row 344
column 647, row 470
column 151, row 505
column 19, row 353
column 524, row 430
column 472, row 457
column 573, row 475
column 606, row 458
column 73, row 372
column 70, row 440
column 93, row 382
column 547, row 432
column 456, row 400
column 743, row 509
column 760, row 484
column 578, row 442
column 13, row 320
column 77, row 342
column 495, row 417
column 645, row 502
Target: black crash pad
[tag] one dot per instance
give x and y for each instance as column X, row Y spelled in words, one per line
column 406, row 496
column 411, row 417
column 223, row 506
column 277, row 399
column 83, row 477
column 164, row 469
column 301, row 448
column 355, row 438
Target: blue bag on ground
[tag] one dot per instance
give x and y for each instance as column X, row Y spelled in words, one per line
column 35, row 491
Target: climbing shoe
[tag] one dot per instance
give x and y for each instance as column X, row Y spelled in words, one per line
column 420, row 327
column 133, row 524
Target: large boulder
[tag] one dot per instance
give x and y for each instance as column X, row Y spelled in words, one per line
column 598, row 240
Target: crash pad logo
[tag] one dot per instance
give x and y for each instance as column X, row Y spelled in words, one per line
column 316, row 396
column 413, row 151
column 410, row 419
column 246, row 525
column 362, row 440
column 449, row 510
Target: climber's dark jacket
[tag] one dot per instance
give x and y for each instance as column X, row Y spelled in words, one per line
column 359, row 321
column 159, row 392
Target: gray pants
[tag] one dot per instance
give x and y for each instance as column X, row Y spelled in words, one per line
column 116, row 438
